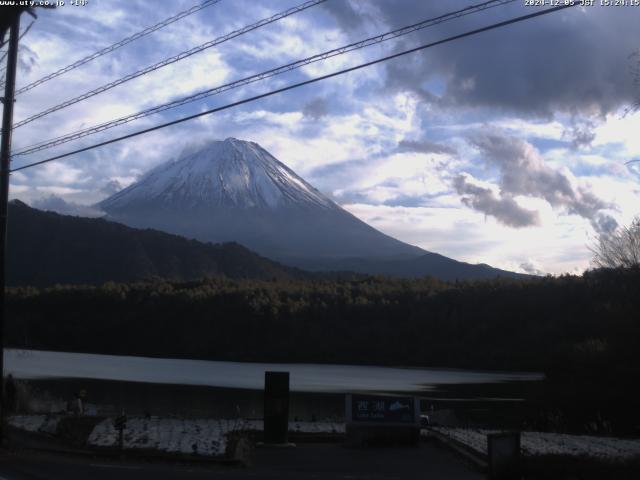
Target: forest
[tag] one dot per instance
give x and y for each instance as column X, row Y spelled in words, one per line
column 500, row 324
column 583, row 332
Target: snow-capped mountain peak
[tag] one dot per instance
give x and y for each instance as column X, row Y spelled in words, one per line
column 232, row 173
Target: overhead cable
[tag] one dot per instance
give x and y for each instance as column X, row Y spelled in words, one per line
column 300, row 84
column 170, row 60
column 259, row 76
column 121, row 43
column 4, row 54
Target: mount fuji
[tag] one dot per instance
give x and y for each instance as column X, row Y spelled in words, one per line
column 235, row 190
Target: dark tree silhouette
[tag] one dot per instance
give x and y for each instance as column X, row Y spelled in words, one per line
column 620, row 248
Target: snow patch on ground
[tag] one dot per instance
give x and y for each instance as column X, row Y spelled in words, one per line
column 35, row 423
column 315, row 427
column 201, row 436
column 207, row 437
column 541, row 443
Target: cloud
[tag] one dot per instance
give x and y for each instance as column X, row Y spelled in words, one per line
column 603, row 223
column 532, row 268
column 353, row 15
column 111, row 187
column 504, row 209
column 463, row 234
column 27, row 59
column 582, row 134
column 523, row 171
column 54, row 203
column 425, row 146
column 634, row 72
column 315, row 109
column 363, row 136
column 513, row 68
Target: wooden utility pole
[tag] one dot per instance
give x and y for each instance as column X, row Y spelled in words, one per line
column 5, row 156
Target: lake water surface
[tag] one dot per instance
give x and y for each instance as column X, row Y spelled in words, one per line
column 313, row 378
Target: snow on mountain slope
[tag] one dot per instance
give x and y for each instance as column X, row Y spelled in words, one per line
column 231, row 173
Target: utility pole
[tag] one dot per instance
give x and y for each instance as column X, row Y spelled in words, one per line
column 5, row 156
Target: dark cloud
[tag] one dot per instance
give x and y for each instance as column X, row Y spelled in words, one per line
column 316, row 109
column 505, row 209
column 54, row 203
column 425, row 146
column 603, row 223
column 523, row 171
column 406, row 76
column 634, row 71
column 350, row 15
column 576, row 60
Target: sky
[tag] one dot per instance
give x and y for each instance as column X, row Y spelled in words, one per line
column 509, row 147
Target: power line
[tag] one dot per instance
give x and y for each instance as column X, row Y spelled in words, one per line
column 26, row 30
column 173, row 59
column 22, row 35
column 301, row 84
column 121, row 43
column 260, row 76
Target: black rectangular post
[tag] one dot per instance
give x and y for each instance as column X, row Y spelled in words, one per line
column 276, row 407
column 504, row 455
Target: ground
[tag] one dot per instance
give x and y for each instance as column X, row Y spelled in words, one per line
column 306, row 461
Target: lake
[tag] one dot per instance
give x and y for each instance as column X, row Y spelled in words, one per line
column 44, row 365
column 201, row 388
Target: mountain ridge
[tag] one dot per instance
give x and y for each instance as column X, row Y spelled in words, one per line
column 47, row 248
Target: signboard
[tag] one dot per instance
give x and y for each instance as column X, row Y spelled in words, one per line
column 385, row 410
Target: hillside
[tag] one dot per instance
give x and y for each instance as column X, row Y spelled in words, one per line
column 47, row 248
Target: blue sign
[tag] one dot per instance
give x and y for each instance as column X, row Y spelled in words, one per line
column 382, row 409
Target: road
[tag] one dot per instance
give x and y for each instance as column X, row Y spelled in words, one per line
column 307, row 461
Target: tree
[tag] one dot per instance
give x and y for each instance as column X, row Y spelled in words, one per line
column 620, row 248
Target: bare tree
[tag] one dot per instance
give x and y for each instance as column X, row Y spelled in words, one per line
column 620, row 248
